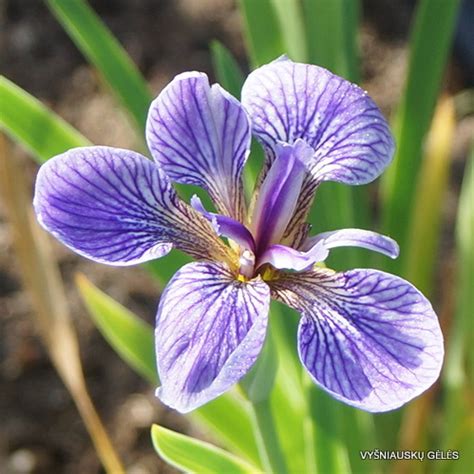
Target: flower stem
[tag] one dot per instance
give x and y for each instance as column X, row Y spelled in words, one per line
column 257, row 387
column 266, row 435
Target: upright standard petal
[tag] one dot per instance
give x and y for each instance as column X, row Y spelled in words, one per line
column 350, row 137
column 115, row 206
column 210, row 330
column 278, row 195
column 200, row 135
column 367, row 337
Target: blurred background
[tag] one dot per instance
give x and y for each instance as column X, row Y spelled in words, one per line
column 40, row 430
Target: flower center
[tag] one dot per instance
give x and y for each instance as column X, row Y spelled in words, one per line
column 258, row 245
column 247, row 264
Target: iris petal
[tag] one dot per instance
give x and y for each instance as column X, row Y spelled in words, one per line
column 288, row 101
column 298, row 229
column 369, row 338
column 201, row 135
column 278, row 195
column 115, row 206
column 210, row 330
column 226, row 226
column 355, row 238
column 283, row 257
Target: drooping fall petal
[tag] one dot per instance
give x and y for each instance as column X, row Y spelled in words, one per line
column 210, row 330
column 368, row 338
column 115, row 206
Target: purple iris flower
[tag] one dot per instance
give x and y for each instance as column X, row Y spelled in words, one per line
column 368, row 338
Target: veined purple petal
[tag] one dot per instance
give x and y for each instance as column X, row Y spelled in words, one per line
column 369, row 338
column 355, row 238
column 283, row 257
column 115, row 206
column 210, row 331
column 278, row 195
column 226, row 226
column 200, row 134
column 351, row 139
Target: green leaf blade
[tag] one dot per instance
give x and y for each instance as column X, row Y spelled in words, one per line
column 229, row 419
column 228, row 72
column 431, row 39
column 331, row 35
column 261, row 31
column 290, row 18
column 131, row 337
column 288, row 401
column 42, row 132
column 102, row 50
column 195, row 456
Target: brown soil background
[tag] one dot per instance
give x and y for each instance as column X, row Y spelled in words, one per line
column 40, row 429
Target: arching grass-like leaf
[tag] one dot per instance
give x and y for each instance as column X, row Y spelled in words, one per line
column 103, row 50
column 34, row 126
column 195, row 456
column 131, row 337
